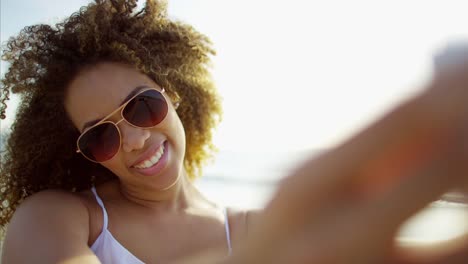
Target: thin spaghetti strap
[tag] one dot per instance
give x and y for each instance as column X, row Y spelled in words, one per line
column 101, row 204
column 228, row 233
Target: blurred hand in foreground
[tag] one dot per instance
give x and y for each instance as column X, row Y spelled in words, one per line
column 347, row 205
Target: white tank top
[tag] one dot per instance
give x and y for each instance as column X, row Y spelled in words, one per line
column 110, row 251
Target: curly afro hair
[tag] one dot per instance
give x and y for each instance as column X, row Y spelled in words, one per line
column 40, row 151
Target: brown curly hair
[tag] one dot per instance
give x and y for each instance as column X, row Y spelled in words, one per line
column 40, row 151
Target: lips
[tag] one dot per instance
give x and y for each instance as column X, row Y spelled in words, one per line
column 157, row 167
column 151, row 161
column 148, row 154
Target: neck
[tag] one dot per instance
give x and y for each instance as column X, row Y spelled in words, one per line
column 181, row 195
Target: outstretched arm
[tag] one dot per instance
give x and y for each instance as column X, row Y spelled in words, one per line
column 347, row 205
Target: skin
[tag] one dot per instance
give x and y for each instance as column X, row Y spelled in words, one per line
column 347, row 205
column 98, row 91
column 344, row 206
column 158, row 218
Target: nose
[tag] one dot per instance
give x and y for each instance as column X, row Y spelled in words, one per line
column 133, row 138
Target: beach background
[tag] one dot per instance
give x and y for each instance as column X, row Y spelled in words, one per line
column 248, row 180
column 297, row 78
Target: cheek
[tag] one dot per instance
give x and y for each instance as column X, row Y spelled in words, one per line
column 114, row 165
column 175, row 132
column 180, row 130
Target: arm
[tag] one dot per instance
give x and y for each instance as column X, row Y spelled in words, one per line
column 49, row 227
column 347, row 205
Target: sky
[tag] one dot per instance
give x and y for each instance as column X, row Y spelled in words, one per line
column 298, row 75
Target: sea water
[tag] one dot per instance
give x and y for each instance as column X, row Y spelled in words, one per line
column 248, row 180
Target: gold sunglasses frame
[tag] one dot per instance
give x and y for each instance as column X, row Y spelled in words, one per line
column 121, row 108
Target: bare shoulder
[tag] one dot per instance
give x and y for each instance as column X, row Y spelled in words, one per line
column 49, row 204
column 51, row 225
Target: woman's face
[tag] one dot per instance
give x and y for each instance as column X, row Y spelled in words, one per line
column 98, row 91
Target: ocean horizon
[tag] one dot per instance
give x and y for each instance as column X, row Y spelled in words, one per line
column 248, row 180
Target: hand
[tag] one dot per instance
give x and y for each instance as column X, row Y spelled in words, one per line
column 347, row 205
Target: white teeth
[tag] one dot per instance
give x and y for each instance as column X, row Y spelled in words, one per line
column 147, row 164
column 152, row 160
column 155, row 158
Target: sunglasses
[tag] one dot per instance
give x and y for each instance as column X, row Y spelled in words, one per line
column 102, row 141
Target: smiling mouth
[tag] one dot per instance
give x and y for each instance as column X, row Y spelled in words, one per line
column 151, row 161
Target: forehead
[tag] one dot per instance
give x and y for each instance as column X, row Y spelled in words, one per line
column 100, row 89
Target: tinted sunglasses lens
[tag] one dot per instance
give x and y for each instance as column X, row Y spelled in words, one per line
column 100, row 143
column 146, row 110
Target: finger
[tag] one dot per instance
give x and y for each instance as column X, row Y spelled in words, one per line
column 425, row 183
column 325, row 177
column 309, row 189
column 427, row 119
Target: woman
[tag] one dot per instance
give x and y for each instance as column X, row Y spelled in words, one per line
column 131, row 94
column 115, row 124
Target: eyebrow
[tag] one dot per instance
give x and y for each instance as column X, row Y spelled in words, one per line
column 130, row 95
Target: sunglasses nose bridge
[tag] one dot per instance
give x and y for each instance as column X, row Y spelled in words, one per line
column 132, row 137
column 122, row 119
